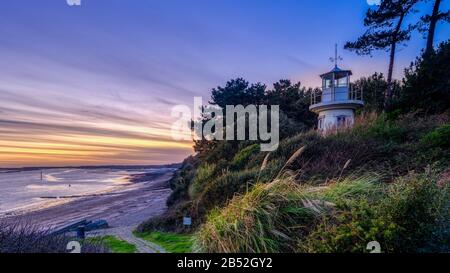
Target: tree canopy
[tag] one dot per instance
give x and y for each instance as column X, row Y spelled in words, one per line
column 385, row 30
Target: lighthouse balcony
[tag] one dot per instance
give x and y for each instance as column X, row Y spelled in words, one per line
column 336, row 98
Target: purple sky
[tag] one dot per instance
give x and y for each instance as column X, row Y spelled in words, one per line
column 95, row 84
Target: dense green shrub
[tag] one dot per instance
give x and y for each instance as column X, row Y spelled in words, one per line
column 181, row 180
column 242, row 157
column 253, row 222
column 387, row 130
column 417, row 204
column 218, row 191
column 343, row 216
column 271, row 216
column 426, row 86
column 203, row 175
column 375, row 144
column 354, row 224
column 440, row 137
column 325, row 157
column 405, row 220
column 224, row 150
column 373, row 88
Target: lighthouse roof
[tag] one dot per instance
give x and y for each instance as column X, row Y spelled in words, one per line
column 339, row 73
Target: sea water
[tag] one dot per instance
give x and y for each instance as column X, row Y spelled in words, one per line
column 22, row 191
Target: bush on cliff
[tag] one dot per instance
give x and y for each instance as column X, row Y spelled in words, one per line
column 339, row 216
column 375, row 144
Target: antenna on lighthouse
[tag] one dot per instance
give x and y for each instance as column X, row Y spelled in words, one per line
column 336, row 57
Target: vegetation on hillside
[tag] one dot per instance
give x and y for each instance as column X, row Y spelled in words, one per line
column 386, row 179
column 338, row 216
column 375, row 144
column 23, row 237
column 426, row 86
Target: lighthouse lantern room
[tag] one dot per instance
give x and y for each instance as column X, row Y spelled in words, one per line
column 337, row 100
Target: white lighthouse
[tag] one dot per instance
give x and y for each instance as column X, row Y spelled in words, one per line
column 337, row 101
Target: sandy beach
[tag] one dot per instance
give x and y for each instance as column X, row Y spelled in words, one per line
column 127, row 206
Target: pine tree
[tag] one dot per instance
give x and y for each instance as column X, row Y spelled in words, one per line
column 429, row 22
column 385, row 31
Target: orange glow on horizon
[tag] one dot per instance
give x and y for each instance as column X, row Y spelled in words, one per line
column 91, row 150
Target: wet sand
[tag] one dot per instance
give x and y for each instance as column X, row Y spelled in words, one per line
column 128, row 206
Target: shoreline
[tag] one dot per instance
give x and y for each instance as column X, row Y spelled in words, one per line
column 24, row 169
column 144, row 197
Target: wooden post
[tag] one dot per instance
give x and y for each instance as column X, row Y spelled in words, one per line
column 81, row 232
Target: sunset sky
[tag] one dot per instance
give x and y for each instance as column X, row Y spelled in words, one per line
column 95, row 84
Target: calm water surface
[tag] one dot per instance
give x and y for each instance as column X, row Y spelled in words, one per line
column 24, row 190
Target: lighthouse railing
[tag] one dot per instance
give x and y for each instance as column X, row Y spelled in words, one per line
column 336, row 94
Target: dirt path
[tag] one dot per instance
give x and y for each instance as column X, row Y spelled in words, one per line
column 126, row 234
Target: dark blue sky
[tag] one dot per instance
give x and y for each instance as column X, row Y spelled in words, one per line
column 115, row 67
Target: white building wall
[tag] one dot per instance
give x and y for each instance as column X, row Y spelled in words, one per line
column 328, row 119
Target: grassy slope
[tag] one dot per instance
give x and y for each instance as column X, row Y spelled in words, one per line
column 115, row 244
column 387, row 149
column 376, row 144
column 171, row 242
column 343, row 216
column 292, row 213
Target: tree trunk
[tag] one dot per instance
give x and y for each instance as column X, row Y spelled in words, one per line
column 389, row 89
column 432, row 28
column 388, row 92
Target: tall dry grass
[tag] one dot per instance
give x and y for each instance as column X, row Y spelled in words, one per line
column 24, row 237
column 272, row 216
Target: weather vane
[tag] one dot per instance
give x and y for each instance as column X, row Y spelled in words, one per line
column 336, row 57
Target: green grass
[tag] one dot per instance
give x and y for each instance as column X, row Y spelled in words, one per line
column 171, row 242
column 242, row 157
column 439, row 137
column 339, row 217
column 341, row 193
column 202, row 176
column 115, row 244
column 257, row 221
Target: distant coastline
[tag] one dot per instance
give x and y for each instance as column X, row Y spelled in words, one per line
column 33, row 188
column 125, row 205
column 117, row 167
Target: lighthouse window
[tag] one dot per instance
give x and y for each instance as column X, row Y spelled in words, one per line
column 342, row 82
column 341, row 121
column 320, row 125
